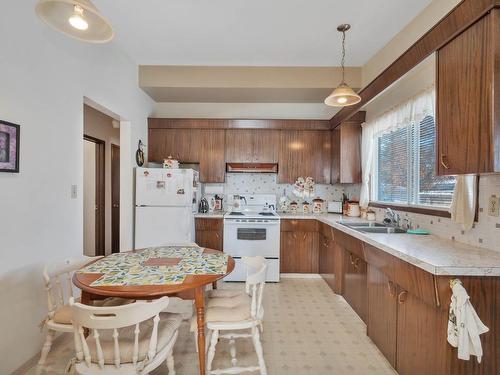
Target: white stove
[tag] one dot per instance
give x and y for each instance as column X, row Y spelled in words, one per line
column 252, row 230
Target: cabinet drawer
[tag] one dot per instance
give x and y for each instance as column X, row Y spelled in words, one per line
column 299, row 225
column 379, row 259
column 208, row 224
column 326, row 230
column 349, row 243
column 416, row 281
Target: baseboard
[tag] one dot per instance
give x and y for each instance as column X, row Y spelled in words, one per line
column 300, row 276
column 33, row 361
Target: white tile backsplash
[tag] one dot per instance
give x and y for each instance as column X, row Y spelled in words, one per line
column 485, row 233
column 266, row 183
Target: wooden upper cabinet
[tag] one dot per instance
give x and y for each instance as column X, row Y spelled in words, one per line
column 181, row 144
column 304, row 153
column 346, row 151
column 468, row 102
column 212, row 151
column 252, row 146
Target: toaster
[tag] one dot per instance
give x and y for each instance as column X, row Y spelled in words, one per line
column 335, row 207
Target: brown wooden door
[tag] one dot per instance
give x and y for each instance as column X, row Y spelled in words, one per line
column 115, row 198
column 209, row 233
column 252, row 145
column 299, row 252
column 100, row 208
column 382, row 313
column 355, row 278
column 464, row 102
column 304, row 153
column 212, row 155
column 421, row 337
column 327, row 255
column 209, row 238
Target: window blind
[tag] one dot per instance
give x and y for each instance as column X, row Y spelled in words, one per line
column 431, row 190
column 393, row 166
column 406, row 167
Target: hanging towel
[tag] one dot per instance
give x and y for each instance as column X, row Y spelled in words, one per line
column 463, row 205
column 464, row 326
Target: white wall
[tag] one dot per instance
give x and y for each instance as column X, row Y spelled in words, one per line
column 436, row 10
column 44, row 77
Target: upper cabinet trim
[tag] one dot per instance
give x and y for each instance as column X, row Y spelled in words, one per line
column 278, row 124
column 457, row 20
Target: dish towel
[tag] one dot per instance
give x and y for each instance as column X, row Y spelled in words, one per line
column 463, row 205
column 464, row 326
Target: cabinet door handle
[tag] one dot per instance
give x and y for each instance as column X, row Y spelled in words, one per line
column 351, row 259
column 444, row 161
column 402, row 297
column 390, row 286
column 217, row 235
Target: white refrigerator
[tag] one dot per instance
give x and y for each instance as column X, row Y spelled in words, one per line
column 165, row 200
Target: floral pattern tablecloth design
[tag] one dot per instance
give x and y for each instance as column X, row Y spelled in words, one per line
column 129, row 269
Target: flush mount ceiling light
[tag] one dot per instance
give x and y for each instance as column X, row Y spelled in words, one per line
column 343, row 95
column 79, row 19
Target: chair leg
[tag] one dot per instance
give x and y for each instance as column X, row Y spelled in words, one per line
column 258, row 349
column 261, row 326
column 170, row 364
column 211, row 351
column 46, row 346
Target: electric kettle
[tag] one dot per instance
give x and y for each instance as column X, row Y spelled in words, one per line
column 203, row 207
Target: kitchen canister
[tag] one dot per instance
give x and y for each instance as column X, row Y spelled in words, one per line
column 305, row 207
column 293, row 207
column 318, row 205
column 353, row 209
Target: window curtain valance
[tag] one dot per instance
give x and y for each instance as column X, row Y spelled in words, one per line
column 413, row 110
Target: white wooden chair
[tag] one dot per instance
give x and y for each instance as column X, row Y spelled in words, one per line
column 128, row 339
column 59, row 289
column 230, row 311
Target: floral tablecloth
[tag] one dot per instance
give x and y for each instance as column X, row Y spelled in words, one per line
column 156, row 266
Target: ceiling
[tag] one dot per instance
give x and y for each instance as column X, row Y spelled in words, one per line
column 254, row 32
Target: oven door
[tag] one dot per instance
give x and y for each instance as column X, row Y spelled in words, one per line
column 247, row 237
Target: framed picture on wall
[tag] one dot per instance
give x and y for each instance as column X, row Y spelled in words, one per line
column 9, row 147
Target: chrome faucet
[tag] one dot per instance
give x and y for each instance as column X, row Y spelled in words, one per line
column 392, row 218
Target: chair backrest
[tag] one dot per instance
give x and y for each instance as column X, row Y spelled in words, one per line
column 58, row 282
column 256, row 268
column 114, row 318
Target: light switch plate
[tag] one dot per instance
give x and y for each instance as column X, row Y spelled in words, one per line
column 74, row 191
column 494, row 206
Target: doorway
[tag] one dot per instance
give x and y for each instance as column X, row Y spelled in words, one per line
column 115, row 198
column 93, row 196
column 101, row 192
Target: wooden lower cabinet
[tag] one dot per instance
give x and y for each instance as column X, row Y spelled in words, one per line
column 327, row 256
column 382, row 313
column 209, row 233
column 421, row 337
column 355, row 279
column 299, row 252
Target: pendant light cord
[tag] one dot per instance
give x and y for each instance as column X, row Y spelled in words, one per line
column 343, row 58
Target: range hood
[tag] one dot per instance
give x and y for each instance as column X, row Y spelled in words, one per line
column 252, row 168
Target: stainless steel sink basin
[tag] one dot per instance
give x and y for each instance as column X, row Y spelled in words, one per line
column 381, row 230
column 353, row 224
column 368, row 227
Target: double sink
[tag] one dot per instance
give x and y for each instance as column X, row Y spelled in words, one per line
column 371, row 227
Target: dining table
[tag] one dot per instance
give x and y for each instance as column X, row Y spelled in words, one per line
column 146, row 274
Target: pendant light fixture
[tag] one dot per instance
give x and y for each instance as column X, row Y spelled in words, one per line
column 343, row 95
column 78, row 19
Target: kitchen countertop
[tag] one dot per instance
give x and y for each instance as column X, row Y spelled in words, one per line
column 210, row 215
column 431, row 253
